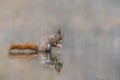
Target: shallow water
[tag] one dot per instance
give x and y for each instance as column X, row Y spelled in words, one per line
column 91, row 63
column 81, row 65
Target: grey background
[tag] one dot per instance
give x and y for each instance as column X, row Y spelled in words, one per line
column 91, row 30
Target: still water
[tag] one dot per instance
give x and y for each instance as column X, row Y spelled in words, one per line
column 81, row 65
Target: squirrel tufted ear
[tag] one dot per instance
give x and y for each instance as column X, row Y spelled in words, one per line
column 58, row 32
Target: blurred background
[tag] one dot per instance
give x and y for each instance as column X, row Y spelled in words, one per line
column 91, row 31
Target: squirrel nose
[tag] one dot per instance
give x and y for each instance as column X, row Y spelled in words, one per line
column 59, row 45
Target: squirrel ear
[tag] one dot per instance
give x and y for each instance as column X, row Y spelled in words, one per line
column 58, row 32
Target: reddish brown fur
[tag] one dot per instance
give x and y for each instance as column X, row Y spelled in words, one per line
column 24, row 46
column 26, row 56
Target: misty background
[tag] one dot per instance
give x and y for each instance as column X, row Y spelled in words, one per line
column 91, row 32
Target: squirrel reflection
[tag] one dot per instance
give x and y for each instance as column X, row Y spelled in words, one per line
column 50, row 61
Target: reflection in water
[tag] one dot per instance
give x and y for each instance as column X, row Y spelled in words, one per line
column 22, row 56
column 28, row 67
column 50, row 60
